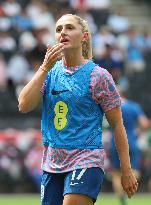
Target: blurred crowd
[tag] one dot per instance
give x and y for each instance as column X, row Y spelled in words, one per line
column 20, row 160
column 26, row 28
column 21, row 153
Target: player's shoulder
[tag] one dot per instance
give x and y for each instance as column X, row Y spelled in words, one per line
column 101, row 72
column 132, row 102
column 134, row 105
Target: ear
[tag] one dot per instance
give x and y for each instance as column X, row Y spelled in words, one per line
column 85, row 36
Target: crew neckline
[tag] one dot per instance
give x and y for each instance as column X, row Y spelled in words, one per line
column 72, row 69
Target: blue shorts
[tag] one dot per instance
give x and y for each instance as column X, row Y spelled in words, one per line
column 82, row 181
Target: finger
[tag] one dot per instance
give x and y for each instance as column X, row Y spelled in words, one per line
column 49, row 46
column 55, row 51
column 131, row 191
column 50, row 54
column 55, row 55
column 135, row 187
column 55, row 47
column 59, row 56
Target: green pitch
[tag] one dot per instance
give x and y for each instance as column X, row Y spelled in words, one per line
column 104, row 199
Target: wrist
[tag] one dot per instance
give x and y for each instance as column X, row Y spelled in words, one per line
column 125, row 170
column 43, row 68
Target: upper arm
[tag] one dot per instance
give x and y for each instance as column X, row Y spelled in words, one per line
column 114, row 117
column 103, row 89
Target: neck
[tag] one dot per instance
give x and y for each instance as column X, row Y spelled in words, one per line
column 73, row 59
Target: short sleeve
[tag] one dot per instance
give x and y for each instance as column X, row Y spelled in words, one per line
column 103, row 89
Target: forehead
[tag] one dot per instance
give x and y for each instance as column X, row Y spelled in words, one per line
column 64, row 20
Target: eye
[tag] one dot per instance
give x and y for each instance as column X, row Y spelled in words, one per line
column 58, row 29
column 70, row 27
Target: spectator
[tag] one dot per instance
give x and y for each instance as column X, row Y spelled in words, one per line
column 27, row 41
column 42, row 19
column 19, row 65
column 33, row 162
column 11, row 8
column 118, row 22
column 107, row 52
column 100, row 10
column 102, row 38
column 3, row 73
column 78, row 4
column 83, row 13
column 135, row 61
column 98, row 5
column 33, row 8
column 5, row 22
column 22, row 22
column 147, row 40
column 8, row 44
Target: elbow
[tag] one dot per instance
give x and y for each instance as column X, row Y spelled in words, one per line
column 22, row 108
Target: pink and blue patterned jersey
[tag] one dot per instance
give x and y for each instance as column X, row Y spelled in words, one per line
column 71, row 119
column 104, row 94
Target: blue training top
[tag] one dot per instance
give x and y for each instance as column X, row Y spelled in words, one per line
column 131, row 111
column 70, row 118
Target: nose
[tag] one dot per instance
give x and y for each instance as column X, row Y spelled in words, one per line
column 63, row 32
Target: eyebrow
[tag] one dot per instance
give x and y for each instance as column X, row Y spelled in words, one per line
column 69, row 24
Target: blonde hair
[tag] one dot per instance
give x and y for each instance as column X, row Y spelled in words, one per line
column 86, row 45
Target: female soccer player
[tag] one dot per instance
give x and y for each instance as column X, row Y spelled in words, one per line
column 76, row 93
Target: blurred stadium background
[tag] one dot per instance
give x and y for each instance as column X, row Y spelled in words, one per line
column 121, row 37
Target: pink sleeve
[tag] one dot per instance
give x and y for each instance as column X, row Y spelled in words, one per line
column 103, row 89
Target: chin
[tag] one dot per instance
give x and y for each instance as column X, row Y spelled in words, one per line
column 67, row 47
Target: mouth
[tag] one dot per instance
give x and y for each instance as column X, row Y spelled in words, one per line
column 64, row 41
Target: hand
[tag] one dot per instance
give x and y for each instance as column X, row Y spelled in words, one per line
column 129, row 183
column 52, row 55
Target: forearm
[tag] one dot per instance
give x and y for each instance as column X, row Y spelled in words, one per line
column 30, row 96
column 114, row 118
column 128, row 179
column 122, row 147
